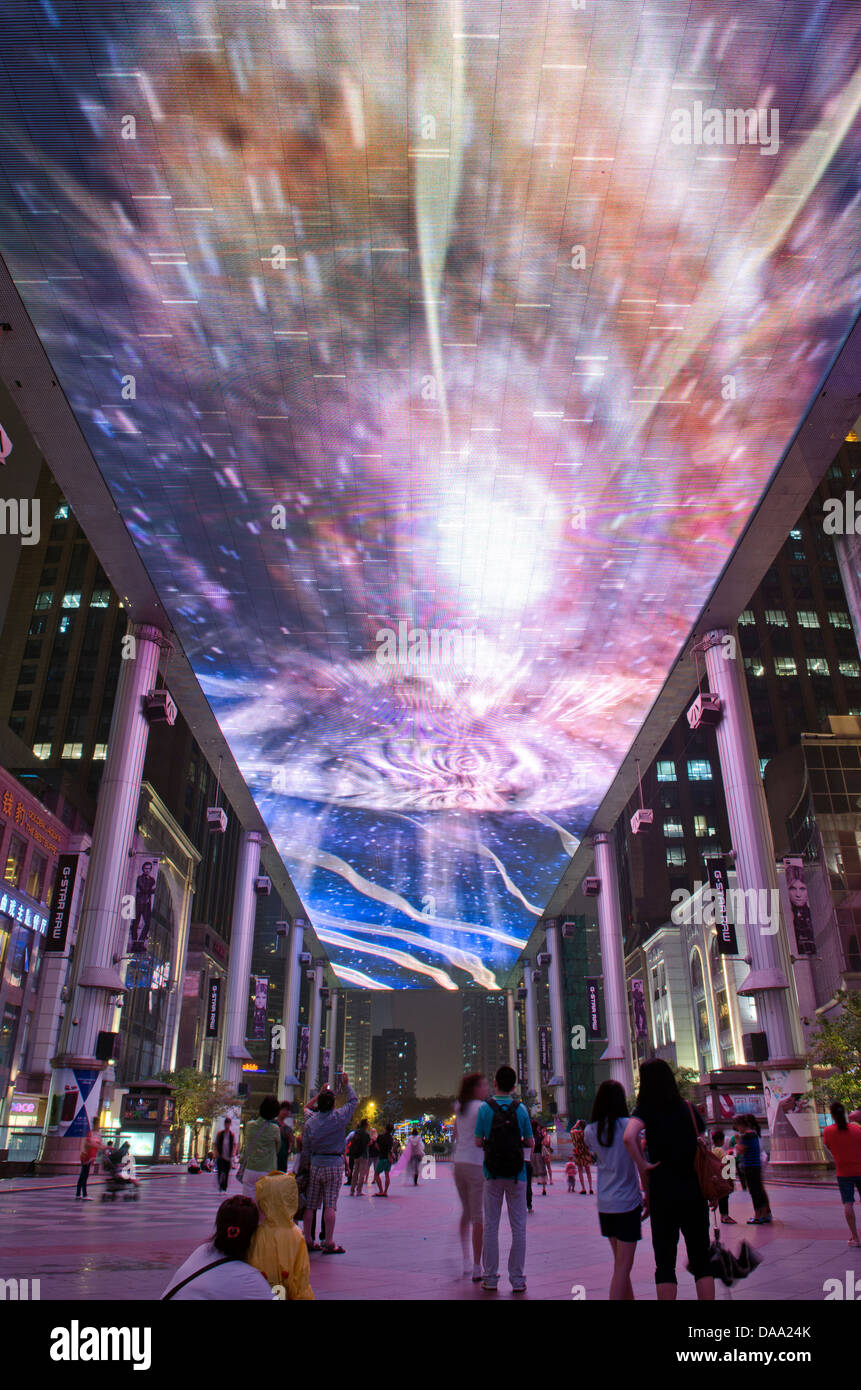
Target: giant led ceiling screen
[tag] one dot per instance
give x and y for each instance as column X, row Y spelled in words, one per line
column 436, row 355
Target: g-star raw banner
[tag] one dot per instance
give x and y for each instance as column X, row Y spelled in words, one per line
column 638, row 998
column 212, row 1008
column 521, row 1066
column 717, row 876
column 61, row 903
column 544, row 1054
column 260, row 984
column 593, row 1009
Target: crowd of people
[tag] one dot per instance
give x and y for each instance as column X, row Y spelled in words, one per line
column 658, row 1164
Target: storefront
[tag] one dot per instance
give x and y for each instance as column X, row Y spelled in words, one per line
column 146, row 1119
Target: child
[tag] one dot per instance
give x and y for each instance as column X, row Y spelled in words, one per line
column 720, row 1152
column 571, row 1174
column 278, row 1248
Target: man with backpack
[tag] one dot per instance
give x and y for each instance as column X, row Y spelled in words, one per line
column 503, row 1130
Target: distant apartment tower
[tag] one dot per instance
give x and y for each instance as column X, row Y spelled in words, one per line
column 393, row 1063
column 357, row 1039
column 486, row 1044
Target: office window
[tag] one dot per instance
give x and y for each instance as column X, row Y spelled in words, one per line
column 62, row 512
column 44, row 599
column 37, row 873
column 699, row 770
column 807, row 619
column 795, row 534
column 701, row 827
column 101, row 598
column 746, row 619
column 839, row 619
column 673, row 829
column 754, row 666
column 73, row 750
column 849, row 668
column 675, row 856
column 775, row 617
column 15, row 856
column 42, row 751
column 72, row 599
column 785, row 666
column 65, row 623
column 817, row 666
column 666, row 771
column 100, row 752
column 763, row 764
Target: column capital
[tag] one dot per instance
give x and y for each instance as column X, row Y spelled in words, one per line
column 601, row 837
column 147, row 632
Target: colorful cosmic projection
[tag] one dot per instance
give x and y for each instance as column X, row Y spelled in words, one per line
column 435, row 355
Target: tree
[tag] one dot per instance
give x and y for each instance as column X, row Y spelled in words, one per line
column 686, row 1080
column 198, row 1100
column 835, row 1055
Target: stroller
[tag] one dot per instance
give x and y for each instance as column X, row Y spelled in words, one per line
column 121, row 1181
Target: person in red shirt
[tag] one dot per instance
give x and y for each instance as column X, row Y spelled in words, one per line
column 843, row 1141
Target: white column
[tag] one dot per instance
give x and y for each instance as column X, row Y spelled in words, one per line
column 530, row 1042
column 558, row 1030
column 54, row 972
column 101, row 941
column 795, row 1143
column 769, row 980
column 332, row 1037
column 287, row 1078
column 511, row 1013
column 234, row 1051
column 618, row 1049
column 311, row 1077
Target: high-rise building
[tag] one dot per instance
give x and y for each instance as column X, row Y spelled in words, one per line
column 486, row 1045
column 393, row 1063
column 357, row 1038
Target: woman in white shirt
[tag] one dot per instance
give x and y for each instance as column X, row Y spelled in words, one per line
column 620, row 1201
column 469, row 1171
column 218, row 1269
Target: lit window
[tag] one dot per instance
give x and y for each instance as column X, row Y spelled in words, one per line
column 72, row 600
column 785, row 666
column 101, row 598
column 100, row 752
column 795, row 535
column 65, row 623
column 839, row 619
column 746, row 619
column 666, row 771
column 62, row 512
column 42, row 751
column 44, row 599
column 776, row 617
column 701, row 826
column 849, row 668
column 699, row 770
column 807, row 619
column 754, row 666
column 763, row 764
column 675, row 856
column 817, row 666
column 73, row 750
column 673, row 829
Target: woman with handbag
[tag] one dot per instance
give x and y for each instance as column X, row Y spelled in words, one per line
column 669, row 1177
column 262, row 1142
column 219, row 1268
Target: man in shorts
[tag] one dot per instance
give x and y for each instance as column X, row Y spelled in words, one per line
column 325, row 1136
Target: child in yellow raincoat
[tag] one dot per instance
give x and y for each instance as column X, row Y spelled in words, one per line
column 278, row 1247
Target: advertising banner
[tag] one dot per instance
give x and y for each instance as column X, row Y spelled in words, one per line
column 325, row 1063
column 717, row 876
column 638, row 999
column 544, row 1053
column 521, row 1066
column 260, row 986
column 304, row 1045
column 212, row 1008
column 61, row 903
column 802, row 920
column 789, row 1104
column 593, row 1009
column 145, row 877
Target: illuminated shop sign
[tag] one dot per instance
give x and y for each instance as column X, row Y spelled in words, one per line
column 21, row 911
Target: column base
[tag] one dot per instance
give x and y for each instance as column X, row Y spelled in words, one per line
column 60, row 1155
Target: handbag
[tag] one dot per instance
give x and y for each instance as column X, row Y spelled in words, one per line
column 708, row 1168
column 225, row 1260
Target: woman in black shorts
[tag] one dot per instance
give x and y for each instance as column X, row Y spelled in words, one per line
column 619, row 1197
column 676, row 1204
